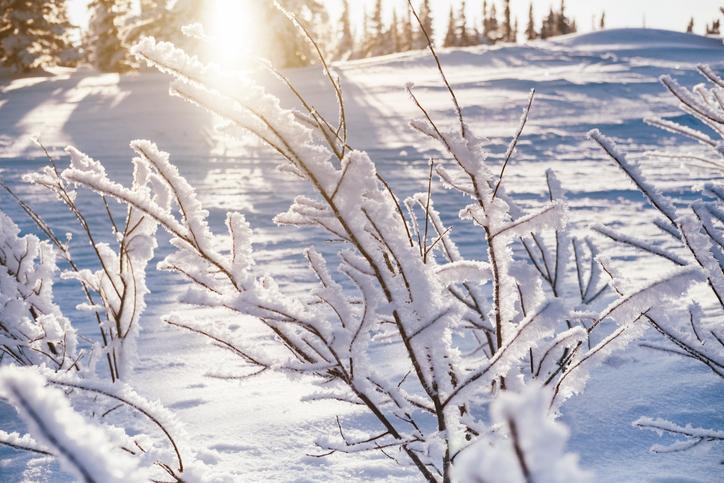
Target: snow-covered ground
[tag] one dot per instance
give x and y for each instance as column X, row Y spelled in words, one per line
column 259, row 429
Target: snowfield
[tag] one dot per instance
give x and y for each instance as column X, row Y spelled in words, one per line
column 260, row 429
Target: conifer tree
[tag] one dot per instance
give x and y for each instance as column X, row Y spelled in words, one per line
column 486, row 37
column 548, row 25
column 564, row 26
column 35, row 34
column 714, row 28
column 407, row 34
column 104, row 45
column 485, row 18
column 494, row 24
column 375, row 42
column 345, row 45
column 464, row 37
column 508, row 30
column 514, row 33
column 164, row 22
column 451, row 38
column 602, row 22
column 425, row 14
column 286, row 46
column 557, row 23
column 530, row 32
column 359, row 51
column 393, row 35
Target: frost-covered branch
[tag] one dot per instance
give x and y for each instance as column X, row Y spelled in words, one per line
column 91, row 453
column 33, row 331
column 692, row 436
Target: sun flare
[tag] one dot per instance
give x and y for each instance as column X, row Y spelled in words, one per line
column 233, row 28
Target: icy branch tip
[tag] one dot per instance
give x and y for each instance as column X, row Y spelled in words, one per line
column 595, row 134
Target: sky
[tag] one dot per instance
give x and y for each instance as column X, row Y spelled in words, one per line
column 664, row 14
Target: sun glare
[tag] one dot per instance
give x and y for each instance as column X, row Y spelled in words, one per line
column 233, row 27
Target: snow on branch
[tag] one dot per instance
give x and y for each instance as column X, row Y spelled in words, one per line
column 475, row 340
column 23, row 442
column 88, row 451
column 33, row 331
column 689, row 435
column 626, row 312
column 691, row 101
column 632, row 169
column 515, row 455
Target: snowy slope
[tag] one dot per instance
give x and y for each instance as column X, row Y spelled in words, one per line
column 259, row 429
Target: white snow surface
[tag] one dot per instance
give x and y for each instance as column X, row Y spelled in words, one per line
column 259, row 429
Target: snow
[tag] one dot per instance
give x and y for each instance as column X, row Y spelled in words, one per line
column 258, row 427
column 85, row 450
column 544, row 450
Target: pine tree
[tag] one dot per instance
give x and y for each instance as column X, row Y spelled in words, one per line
column 103, row 40
column 62, row 47
column 425, row 14
column 164, row 22
column 602, row 22
column 375, row 42
column 484, row 31
column 491, row 33
column 564, row 25
column 556, row 23
column 451, row 38
column 393, row 34
column 359, row 51
column 407, row 35
column 507, row 25
column 530, row 32
column 690, row 26
column 714, row 29
column 514, row 34
column 494, row 25
column 548, row 25
column 345, row 45
column 286, row 46
column 464, row 38
column 35, row 34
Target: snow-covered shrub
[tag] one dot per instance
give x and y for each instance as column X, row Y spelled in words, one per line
column 84, row 449
column 87, row 425
column 82, row 422
column 526, row 455
column 33, row 331
column 485, row 351
column 474, row 333
column 704, row 104
column 697, row 233
column 116, row 290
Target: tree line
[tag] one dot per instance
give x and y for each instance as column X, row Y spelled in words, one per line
column 37, row 33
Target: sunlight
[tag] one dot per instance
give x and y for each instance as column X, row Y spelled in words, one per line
column 234, row 31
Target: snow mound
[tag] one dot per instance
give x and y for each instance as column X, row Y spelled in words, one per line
column 636, row 38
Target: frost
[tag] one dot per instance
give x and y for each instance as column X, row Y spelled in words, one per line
column 511, row 454
column 692, row 436
column 460, row 363
column 33, row 330
column 85, row 450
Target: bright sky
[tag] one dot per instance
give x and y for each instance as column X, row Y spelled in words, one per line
column 664, row 14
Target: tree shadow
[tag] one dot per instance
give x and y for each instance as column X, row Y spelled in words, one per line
column 22, row 96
